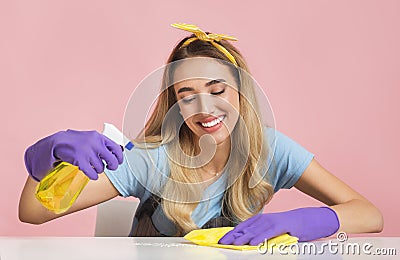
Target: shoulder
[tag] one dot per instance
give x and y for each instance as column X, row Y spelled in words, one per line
column 142, row 169
column 146, row 162
column 287, row 159
column 282, row 144
column 145, row 156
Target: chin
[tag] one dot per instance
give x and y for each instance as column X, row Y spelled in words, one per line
column 222, row 138
column 219, row 137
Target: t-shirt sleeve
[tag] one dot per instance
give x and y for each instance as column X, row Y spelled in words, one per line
column 131, row 177
column 290, row 159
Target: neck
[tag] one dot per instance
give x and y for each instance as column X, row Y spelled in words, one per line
column 215, row 166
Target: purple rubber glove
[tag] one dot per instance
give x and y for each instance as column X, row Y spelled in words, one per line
column 85, row 149
column 305, row 223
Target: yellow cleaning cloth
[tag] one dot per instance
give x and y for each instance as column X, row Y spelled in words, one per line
column 211, row 236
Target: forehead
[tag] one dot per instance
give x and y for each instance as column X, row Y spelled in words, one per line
column 202, row 68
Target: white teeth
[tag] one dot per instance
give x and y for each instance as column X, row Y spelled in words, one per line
column 214, row 122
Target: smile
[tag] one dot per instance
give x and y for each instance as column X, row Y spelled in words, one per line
column 212, row 123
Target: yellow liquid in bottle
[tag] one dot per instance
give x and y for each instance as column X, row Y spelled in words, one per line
column 61, row 187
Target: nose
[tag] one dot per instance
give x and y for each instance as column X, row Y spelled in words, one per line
column 202, row 104
column 205, row 104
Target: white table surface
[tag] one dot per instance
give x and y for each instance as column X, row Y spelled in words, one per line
column 59, row 248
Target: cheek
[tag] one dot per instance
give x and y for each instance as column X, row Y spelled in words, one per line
column 187, row 115
column 186, row 112
column 233, row 100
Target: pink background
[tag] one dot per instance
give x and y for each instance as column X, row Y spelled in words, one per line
column 331, row 70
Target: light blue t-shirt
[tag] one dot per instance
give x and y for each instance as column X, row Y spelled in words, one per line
column 144, row 171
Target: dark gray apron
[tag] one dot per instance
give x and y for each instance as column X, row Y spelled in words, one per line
column 146, row 215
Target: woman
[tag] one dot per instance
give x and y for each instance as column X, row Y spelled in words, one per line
column 203, row 159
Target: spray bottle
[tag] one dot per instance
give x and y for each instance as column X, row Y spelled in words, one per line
column 62, row 186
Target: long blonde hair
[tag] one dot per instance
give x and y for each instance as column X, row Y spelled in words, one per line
column 245, row 197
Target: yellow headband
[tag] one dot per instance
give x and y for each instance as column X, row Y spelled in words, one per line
column 212, row 38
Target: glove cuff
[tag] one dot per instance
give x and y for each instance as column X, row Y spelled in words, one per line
column 39, row 159
column 333, row 220
column 28, row 161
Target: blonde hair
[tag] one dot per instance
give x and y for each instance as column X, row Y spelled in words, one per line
column 249, row 191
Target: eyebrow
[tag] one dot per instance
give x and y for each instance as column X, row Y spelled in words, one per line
column 212, row 82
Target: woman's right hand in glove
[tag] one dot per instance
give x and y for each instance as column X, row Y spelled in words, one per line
column 85, row 149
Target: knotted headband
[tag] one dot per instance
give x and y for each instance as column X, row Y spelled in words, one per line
column 213, row 38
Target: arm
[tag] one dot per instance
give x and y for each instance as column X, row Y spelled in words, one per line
column 349, row 212
column 95, row 192
column 356, row 214
column 85, row 149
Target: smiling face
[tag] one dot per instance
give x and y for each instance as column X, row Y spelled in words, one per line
column 209, row 102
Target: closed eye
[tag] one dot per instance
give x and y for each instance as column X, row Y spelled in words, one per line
column 219, row 92
column 188, row 100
